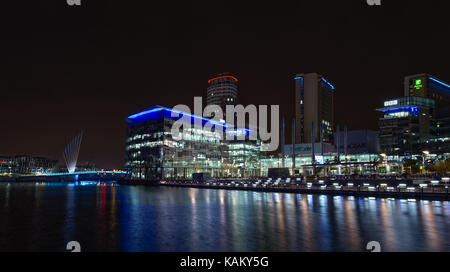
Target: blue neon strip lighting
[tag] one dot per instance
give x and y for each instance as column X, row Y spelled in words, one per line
column 156, row 109
column 327, row 83
column 411, row 109
column 86, row 172
column 169, row 110
column 301, row 91
column 440, row 82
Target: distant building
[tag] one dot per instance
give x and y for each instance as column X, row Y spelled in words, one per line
column 86, row 166
column 313, row 104
column 27, row 165
column 363, row 141
column 6, row 165
column 358, row 142
column 222, row 90
column 306, row 149
column 356, row 163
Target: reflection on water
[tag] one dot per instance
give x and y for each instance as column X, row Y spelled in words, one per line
column 105, row 217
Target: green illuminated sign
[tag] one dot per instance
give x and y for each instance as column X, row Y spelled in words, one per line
column 418, row 84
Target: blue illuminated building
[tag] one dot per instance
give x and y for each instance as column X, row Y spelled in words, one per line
column 153, row 152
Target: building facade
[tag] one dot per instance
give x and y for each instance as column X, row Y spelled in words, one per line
column 6, row 165
column 306, row 149
column 245, row 157
column 27, row 165
column 406, row 122
column 313, row 105
column 419, row 121
column 222, row 90
column 328, row 164
column 152, row 151
column 428, row 86
column 362, row 141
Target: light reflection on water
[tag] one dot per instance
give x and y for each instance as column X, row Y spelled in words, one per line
column 102, row 217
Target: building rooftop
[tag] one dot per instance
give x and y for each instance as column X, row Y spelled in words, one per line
column 159, row 112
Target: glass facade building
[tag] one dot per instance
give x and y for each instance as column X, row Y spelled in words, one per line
column 6, row 165
column 245, row 156
column 330, row 165
column 419, row 121
column 406, row 122
column 27, row 165
column 428, row 86
column 153, row 152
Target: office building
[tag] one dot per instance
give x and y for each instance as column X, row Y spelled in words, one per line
column 222, row 90
column 35, row 165
column 153, row 153
column 406, row 122
column 428, row 86
column 6, row 165
column 326, row 166
column 244, row 157
column 27, row 165
column 313, row 105
column 362, row 141
column 418, row 122
column 306, row 149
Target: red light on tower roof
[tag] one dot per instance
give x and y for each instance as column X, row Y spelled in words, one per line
column 212, row 79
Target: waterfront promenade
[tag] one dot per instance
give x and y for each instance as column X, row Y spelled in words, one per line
column 386, row 188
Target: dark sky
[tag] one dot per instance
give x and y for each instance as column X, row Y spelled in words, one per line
column 64, row 69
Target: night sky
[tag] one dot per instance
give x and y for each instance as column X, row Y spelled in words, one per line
column 64, row 69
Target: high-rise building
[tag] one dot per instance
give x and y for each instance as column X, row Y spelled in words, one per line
column 222, row 90
column 419, row 121
column 428, row 86
column 407, row 122
column 313, row 105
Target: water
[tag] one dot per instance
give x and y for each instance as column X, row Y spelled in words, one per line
column 45, row 216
